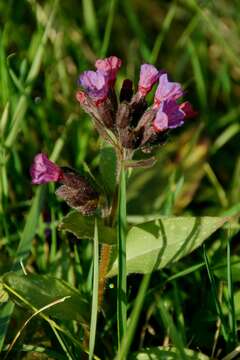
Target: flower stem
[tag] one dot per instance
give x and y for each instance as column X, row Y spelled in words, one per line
column 103, row 268
column 122, row 274
column 106, row 250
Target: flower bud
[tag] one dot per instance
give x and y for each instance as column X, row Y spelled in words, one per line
column 137, row 110
column 77, row 192
column 109, row 68
column 126, row 92
column 123, row 115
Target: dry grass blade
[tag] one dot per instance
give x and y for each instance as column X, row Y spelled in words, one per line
column 29, row 319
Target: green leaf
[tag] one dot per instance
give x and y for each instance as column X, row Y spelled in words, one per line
column 83, row 227
column 166, row 353
column 108, row 168
column 41, row 290
column 155, row 244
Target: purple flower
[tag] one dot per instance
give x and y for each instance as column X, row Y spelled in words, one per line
column 109, row 68
column 167, row 90
column 43, row 170
column 95, row 84
column 169, row 116
column 148, row 77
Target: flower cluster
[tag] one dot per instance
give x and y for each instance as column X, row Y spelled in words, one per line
column 134, row 124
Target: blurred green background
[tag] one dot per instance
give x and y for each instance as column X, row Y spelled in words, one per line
column 44, row 46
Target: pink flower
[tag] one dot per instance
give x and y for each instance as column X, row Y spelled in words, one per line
column 169, row 116
column 95, row 84
column 148, row 77
column 109, row 68
column 44, row 170
column 167, row 90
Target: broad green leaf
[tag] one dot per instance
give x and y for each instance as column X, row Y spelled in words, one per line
column 166, row 353
column 108, row 168
column 156, row 244
column 23, row 250
column 41, row 290
column 83, row 227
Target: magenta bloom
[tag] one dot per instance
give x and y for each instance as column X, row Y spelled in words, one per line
column 169, row 116
column 134, row 122
column 44, row 170
column 148, row 77
column 109, row 68
column 167, row 90
column 95, row 84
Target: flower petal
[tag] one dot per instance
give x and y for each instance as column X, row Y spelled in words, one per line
column 43, row 170
column 95, row 84
column 174, row 113
column 148, row 77
column 167, row 90
column 161, row 121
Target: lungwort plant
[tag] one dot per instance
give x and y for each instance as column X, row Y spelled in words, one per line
column 132, row 128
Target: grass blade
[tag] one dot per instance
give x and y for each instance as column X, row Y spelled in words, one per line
column 232, row 317
column 217, row 186
column 91, row 21
column 108, row 28
column 137, row 28
column 127, row 340
column 4, row 78
column 94, row 312
column 4, row 119
column 198, row 74
column 22, row 105
column 173, row 331
column 122, row 276
column 165, row 27
column 214, row 292
column 28, row 233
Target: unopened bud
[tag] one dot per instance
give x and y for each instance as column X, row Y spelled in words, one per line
column 123, row 115
column 77, row 192
column 126, row 92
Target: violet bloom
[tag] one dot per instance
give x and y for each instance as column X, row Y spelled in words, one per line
column 148, row 77
column 44, row 170
column 109, row 68
column 167, row 90
column 95, row 84
column 169, row 116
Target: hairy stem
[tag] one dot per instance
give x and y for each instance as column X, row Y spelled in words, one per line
column 106, row 251
column 103, row 268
